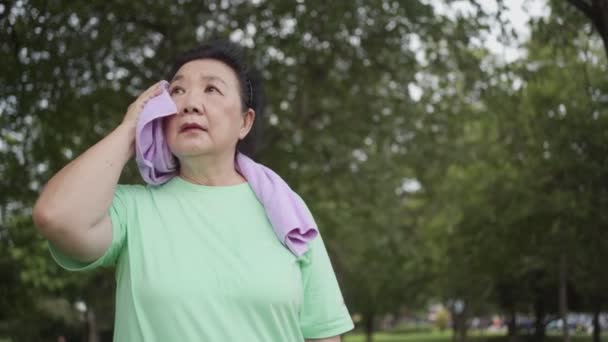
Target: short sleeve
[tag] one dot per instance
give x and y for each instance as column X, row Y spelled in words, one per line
column 324, row 313
column 118, row 214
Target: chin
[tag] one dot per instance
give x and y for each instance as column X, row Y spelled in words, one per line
column 190, row 150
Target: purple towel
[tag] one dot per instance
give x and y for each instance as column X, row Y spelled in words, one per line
column 292, row 222
column 154, row 159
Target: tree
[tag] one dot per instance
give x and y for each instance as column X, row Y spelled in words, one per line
column 336, row 91
column 596, row 11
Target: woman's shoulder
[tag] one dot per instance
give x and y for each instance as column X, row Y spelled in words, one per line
column 134, row 189
column 131, row 187
column 138, row 189
column 132, row 195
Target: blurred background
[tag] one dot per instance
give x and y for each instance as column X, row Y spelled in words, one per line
column 454, row 153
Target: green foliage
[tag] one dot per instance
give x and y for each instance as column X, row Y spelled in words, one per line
column 472, row 189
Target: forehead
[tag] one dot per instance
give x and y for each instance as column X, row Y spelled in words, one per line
column 209, row 68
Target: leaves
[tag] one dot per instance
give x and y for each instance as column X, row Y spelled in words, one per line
column 436, row 170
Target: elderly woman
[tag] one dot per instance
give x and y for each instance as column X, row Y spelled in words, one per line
column 196, row 258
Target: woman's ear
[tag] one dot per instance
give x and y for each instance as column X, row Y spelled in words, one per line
column 247, row 120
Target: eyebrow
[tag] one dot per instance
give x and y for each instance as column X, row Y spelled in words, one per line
column 203, row 77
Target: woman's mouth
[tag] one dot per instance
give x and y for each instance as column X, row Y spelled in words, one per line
column 191, row 127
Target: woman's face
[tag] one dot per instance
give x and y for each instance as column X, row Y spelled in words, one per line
column 209, row 120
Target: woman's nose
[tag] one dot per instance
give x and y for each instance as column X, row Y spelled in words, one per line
column 192, row 104
column 191, row 109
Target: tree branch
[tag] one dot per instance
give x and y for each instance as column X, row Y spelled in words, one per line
column 600, row 20
column 597, row 12
column 583, row 6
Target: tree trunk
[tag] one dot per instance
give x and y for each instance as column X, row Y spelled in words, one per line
column 597, row 13
column 563, row 297
column 92, row 329
column 369, row 327
column 454, row 329
column 462, row 333
column 600, row 20
column 597, row 328
column 512, row 326
column 459, row 319
column 539, row 322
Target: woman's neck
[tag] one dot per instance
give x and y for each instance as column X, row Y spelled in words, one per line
column 210, row 170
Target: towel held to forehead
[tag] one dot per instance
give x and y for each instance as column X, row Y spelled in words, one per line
column 290, row 218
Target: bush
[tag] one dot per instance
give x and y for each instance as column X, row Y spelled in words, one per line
column 442, row 319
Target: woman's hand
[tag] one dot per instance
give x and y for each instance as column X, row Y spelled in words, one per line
column 137, row 106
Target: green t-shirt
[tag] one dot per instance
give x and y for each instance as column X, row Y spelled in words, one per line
column 200, row 263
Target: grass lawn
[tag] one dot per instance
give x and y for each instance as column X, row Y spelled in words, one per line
column 447, row 337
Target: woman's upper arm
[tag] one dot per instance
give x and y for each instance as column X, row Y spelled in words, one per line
column 85, row 245
column 102, row 243
column 324, row 312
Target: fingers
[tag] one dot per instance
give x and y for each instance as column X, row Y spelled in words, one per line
column 149, row 93
column 137, row 106
column 155, row 90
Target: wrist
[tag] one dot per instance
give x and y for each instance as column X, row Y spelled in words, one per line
column 127, row 131
column 127, row 128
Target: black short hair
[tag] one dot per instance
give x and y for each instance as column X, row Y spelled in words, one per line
column 250, row 82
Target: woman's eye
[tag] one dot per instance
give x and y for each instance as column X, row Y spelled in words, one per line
column 210, row 89
column 175, row 90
